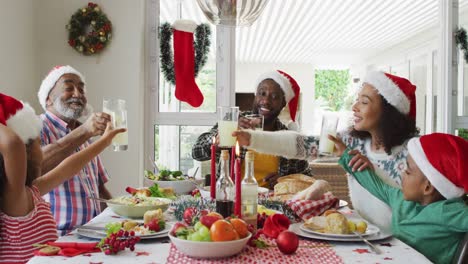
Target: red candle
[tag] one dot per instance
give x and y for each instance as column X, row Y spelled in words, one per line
column 238, row 201
column 213, row 170
column 233, row 157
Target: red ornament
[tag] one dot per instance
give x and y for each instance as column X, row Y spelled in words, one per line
column 287, row 242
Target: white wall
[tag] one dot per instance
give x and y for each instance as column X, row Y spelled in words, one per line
column 34, row 39
column 17, row 50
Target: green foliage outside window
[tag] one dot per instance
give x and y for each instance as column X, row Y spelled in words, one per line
column 332, row 87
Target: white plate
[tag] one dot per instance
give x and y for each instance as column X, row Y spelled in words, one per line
column 97, row 231
column 296, row 228
column 371, row 230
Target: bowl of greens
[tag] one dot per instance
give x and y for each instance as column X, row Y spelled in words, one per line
column 171, row 179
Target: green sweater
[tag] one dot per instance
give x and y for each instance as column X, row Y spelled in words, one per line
column 435, row 230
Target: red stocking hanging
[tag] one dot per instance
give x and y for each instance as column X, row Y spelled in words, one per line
column 184, row 63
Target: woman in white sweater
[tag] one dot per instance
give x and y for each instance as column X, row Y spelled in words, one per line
column 384, row 121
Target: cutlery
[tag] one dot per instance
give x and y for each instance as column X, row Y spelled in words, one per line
column 372, row 246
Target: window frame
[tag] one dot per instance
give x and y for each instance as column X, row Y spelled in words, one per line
column 225, row 82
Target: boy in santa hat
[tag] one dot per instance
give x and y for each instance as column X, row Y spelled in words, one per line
column 274, row 91
column 25, row 218
column 428, row 213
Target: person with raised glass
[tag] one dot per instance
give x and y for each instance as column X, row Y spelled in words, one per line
column 384, row 121
column 274, row 91
column 62, row 95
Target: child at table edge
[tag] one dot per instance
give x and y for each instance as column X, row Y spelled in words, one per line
column 25, row 217
column 429, row 213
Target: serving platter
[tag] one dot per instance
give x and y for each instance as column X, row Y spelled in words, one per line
column 371, row 230
column 296, row 228
column 97, row 231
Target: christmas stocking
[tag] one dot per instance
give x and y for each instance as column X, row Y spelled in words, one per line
column 184, row 63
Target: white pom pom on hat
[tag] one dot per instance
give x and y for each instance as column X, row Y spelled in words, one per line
column 20, row 117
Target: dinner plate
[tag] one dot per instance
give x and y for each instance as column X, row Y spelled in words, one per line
column 97, row 231
column 296, row 228
column 371, row 230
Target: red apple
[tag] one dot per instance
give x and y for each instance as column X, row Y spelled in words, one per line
column 208, row 220
column 287, row 242
column 215, row 214
column 189, row 214
column 204, row 212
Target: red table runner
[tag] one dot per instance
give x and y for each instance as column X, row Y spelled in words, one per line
column 308, row 252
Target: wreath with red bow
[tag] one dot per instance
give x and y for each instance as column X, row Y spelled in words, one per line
column 89, row 30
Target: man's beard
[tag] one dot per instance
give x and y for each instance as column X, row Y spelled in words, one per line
column 67, row 112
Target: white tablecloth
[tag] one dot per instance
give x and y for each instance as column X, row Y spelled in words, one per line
column 157, row 251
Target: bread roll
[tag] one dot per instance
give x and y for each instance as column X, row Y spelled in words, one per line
column 297, row 177
column 316, row 223
column 336, row 224
column 290, row 185
column 314, row 191
column 152, row 214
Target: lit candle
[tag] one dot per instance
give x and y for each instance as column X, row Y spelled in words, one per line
column 238, row 201
column 213, row 170
column 233, row 157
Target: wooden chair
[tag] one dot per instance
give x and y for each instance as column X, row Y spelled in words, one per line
column 336, row 176
column 461, row 256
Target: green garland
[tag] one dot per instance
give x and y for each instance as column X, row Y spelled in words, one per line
column 202, row 47
column 460, row 39
column 100, row 30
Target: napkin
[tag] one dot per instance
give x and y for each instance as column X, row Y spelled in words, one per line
column 71, row 249
column 306, row 209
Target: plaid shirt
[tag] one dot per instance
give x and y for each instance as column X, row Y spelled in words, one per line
column 68, row 201
column 201, row 151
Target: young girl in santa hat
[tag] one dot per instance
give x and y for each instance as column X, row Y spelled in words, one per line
column 25, row 218
column 429, row 212
column 384, row 121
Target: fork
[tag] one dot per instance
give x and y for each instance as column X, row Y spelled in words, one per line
column 373, row 247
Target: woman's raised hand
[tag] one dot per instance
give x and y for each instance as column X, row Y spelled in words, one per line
column 243, row 137
column 359, row 162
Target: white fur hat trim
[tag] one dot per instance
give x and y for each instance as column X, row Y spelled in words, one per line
column 389, row 90
column 440, row 182
column 49, row 82
column 283, row 82
column 26, row 124
column 184, row 25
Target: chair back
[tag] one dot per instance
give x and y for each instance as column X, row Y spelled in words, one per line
column 461, row 256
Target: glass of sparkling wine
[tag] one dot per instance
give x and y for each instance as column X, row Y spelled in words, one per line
column 227, row 123
column 117, row 109
column 329, row 126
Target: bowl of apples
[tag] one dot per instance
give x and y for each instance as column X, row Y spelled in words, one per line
column 211, row 236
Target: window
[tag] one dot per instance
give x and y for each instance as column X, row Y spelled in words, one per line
column 174, row 126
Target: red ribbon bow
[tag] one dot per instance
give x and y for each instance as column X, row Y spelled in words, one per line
column 275, row 224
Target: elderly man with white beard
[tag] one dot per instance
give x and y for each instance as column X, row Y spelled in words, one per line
column 63, row 96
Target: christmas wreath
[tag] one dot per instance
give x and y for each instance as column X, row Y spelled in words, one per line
column 89, row 30
column 202, row 47
column 460, row 39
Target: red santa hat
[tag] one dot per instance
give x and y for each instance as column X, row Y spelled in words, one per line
column 289, row 86
column 443, row 160
column 20, row 117
column 49, row 81
column 398, row 91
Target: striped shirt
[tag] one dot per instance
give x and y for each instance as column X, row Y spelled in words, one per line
column 18, row 234
column 69, row 202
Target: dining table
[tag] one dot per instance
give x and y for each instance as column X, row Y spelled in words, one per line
column 312, row 249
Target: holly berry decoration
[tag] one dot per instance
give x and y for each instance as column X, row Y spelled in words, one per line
column 287, row 242
column 190, row 215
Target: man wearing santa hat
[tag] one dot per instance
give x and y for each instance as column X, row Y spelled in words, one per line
column 274, row 90
column 429, row 212
column 62, row 95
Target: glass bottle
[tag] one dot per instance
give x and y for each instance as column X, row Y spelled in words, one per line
column 224, row 188
column 249, row 187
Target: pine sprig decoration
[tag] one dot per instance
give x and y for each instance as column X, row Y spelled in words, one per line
column 280, row 206
column 201, row 43
column 89, row 30
column 461, row 40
